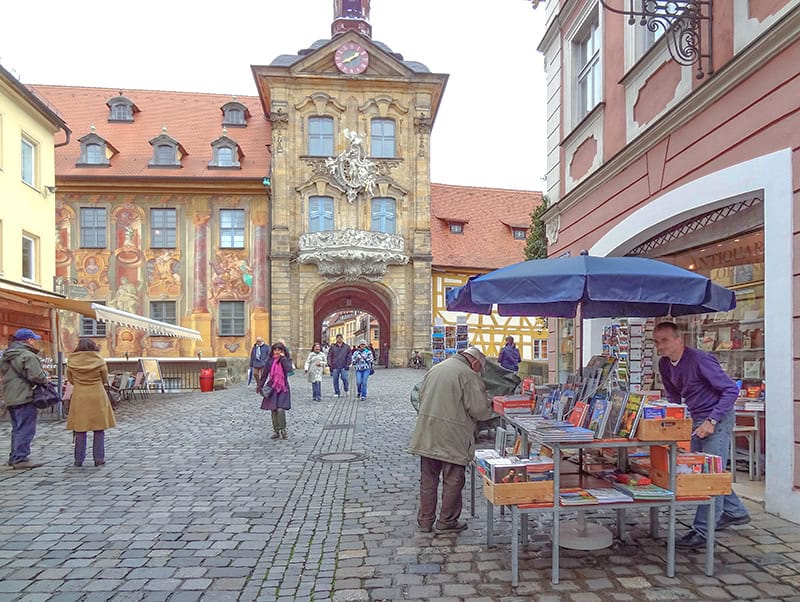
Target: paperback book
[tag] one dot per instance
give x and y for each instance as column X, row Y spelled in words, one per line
column 631, row 415
column 616, row 405
column 599, row 417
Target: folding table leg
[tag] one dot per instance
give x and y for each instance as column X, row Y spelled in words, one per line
column 514, row 546
column 710, row 536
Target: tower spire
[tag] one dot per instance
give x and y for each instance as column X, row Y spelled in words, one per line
column 351, row 15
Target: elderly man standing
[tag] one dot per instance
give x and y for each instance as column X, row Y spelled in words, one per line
column 452, row 400
column 695, row 378
column 20, row 369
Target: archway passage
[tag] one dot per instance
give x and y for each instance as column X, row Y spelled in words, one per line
column 350, row 297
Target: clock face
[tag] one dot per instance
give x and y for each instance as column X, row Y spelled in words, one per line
column 351, row 58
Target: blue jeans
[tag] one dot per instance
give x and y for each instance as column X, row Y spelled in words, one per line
column 343, row 373
column 719, row 444
column 98, row 447
column 23, row 429
column 316, row 390
column 362, row 376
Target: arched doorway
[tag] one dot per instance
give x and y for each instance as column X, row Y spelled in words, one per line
column 355, row 297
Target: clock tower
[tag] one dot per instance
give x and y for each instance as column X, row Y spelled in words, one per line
column 351, row 15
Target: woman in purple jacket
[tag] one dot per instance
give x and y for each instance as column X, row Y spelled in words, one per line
column 274, row 387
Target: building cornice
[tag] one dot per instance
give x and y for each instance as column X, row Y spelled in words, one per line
column 751, row 59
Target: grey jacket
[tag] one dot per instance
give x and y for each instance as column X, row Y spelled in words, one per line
column 18, row 388
column 339, row 356
column 452, row 400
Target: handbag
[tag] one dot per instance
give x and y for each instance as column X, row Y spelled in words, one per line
column 266, row 392
column 45, row 395
column 114, row 396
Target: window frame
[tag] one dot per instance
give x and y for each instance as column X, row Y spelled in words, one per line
column 160, row 232
column 324, row 139
column 382, row 215
column 228, row 233
column 536, row 350
column 587, row 46
column 83, row 228
column 160, row 310
column 380, row 141
column 231, row 325
column 31, row 264
column 515, row 232
column 456, row 227
column 89, row 327
column 30, row 163
column 321, row 214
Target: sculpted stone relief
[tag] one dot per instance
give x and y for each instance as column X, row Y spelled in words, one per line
column 352, row 254
column 352, row 169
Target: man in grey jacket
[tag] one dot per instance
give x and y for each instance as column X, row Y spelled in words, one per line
column 452, row 400
column 20, row 369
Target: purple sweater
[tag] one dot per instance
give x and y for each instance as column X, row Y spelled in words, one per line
column 700, row 382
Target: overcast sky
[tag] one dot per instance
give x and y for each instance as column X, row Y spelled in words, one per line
column 490, row 130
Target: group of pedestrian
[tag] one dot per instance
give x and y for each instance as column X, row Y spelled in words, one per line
column 341, row 357
column 90, row 409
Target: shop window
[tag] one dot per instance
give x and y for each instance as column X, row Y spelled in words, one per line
column 231, row 318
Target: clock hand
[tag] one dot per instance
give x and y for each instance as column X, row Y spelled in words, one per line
column 352, row 58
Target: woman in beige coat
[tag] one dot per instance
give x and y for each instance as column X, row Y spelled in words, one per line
column 89, row 408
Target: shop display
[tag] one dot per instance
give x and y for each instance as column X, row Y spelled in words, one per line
column 448, row 339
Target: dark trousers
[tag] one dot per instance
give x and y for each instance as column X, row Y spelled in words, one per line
column 316, row 390
column 23, row 429
column 452, row 484
column 98, row 447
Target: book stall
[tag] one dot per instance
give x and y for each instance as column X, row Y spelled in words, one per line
column 591, row 445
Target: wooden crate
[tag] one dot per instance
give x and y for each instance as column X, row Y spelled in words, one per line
column 504, row 494
column 664, row 429
column 694, row 485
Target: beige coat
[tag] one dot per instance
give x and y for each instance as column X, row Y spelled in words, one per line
column 452, row 400
column 89, row 408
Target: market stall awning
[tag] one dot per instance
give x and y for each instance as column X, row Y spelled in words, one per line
column 99, row 312
column 117, row 316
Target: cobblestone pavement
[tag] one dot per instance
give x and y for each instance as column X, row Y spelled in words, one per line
column 196, row 502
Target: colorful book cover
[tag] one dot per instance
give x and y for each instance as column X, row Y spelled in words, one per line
column 630, row 415
column 597, row 421
column 654, row 412
column 579, row 413
column 615, row 408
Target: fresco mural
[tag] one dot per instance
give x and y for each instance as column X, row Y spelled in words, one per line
column 163, row 274
column 233, row 276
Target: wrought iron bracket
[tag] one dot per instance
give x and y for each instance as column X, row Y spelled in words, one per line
column 682, row 22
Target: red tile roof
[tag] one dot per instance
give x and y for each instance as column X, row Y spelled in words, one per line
column 488, row 214
column 193, row 119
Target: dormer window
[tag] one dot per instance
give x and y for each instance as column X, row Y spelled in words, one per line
column 519, row 233
column 121, row 109
column 95, row 151
column 235, row 114
column 167, row 152
column 225, row 153
column 456, row 228
column 454, row 224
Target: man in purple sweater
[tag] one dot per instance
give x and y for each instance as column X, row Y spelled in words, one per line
column 695, row 378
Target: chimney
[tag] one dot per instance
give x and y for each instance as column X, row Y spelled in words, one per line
column 351, row 15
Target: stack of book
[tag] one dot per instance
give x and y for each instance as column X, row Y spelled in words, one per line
column 570, row 434
column 645, row 492
column 577, row 497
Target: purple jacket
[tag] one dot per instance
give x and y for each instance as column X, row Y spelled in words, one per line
column 700, row 382
column 509, row 357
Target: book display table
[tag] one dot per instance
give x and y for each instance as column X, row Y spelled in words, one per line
column 520, row 512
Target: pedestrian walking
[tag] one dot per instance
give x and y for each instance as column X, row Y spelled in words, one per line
column 314, row 368
column 452, row 400
column 509, row 356
column 89, row 407
column 363, row 362
column 259, row 355
column 274, row 389
column 695, row 377
column 21, row 369
column 339, row 362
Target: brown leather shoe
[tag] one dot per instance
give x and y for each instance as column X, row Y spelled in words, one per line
column 26, row 464
column 456, row 527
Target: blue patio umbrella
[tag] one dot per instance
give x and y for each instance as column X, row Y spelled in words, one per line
column 602, row 287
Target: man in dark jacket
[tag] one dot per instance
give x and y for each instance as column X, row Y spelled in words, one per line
column 339, row 362
column 20, row 369
column 258, row 358
column 509, row 356
column 452, row 399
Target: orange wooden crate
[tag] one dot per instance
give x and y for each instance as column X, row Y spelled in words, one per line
column 694, row 485
column 664, row 429
column 505, row 494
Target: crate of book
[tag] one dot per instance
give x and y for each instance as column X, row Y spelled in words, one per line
column 513, row 404
column 694, row 484
column 504, row 494
column 665, row 429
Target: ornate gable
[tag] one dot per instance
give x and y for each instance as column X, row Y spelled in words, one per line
column 322, row 61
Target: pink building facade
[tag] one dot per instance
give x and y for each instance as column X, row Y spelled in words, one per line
column 696, row 164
